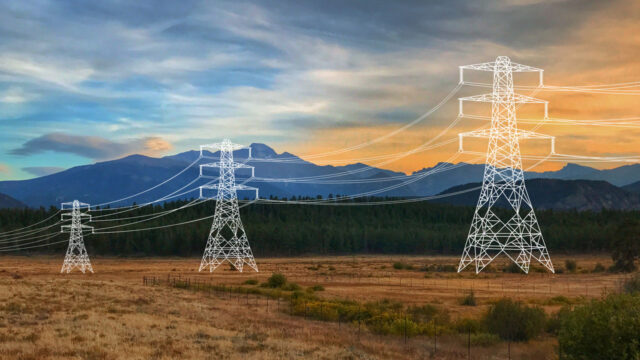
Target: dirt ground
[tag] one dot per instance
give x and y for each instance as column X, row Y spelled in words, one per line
column 111, row 314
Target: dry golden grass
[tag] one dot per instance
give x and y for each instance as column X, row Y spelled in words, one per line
column 112, row 315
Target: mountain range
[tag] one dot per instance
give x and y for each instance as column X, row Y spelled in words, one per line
column 7, row 202
column 280, row 175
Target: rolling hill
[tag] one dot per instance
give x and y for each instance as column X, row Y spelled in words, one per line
column 561, row 195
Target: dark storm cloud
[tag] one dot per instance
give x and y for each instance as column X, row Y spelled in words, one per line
column 392, row 24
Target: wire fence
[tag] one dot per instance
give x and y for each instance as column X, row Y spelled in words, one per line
column 356, row 323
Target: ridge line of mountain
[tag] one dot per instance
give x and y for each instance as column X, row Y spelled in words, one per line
column 114, row 179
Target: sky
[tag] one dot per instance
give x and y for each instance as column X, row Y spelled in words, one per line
column 89, row 81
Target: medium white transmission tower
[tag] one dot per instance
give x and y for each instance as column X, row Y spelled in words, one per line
column 512, row 230
column 227, row 238
column 76, row 256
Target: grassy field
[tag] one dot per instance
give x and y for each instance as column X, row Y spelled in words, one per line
column 112, row 314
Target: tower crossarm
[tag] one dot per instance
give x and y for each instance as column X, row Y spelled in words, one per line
column 235, row 165
column 493, row 65
column 220, row 165
column 67, row 228
column 526, row 134
column 81, row 215
column 69, row 205
column 225, row 145
column 492, row 98
column 219, row 187
column 237, row 187
column 520, row 134
column 517, row 98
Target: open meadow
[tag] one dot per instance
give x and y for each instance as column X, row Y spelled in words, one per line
column 162, row 308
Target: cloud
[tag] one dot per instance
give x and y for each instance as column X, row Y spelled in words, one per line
column 15, row 95
column 92, row 147
column 4, row 169
column 43, row 170
column 284, row 72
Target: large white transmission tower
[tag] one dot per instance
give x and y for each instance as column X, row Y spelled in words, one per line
column 513, row 229
column 227, row 238
column 76, row 256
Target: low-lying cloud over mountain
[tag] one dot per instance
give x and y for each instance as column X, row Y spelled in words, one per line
column 93, row 147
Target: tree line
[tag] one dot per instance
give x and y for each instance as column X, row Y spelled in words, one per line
column 295, row 229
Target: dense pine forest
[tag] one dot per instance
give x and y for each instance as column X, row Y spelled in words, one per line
column 290, row 229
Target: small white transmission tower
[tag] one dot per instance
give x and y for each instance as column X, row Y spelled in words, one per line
column 227, row 238
column 513, row 231
column 76, row 256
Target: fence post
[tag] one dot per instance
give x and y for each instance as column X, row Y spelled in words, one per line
column 469, row 343
column 358, row 322
column 435, row 335
column 405, row 329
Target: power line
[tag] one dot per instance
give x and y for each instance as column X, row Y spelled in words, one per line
column 32, row 225
column 153, row 187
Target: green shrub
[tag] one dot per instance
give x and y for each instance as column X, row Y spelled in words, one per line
column 488, row 269
column 401, row 265
column 276, row 280
column 439, row 268
column 291, row 287
column 632, row 285
column 598, row 268
column 514, row 321
column 469, row 299
column 602, row 329
column 466, row 325
column 554, row 322
column 537, row 269
column 513, row 268
column 251, row 282
column 317, row 287
column 447, row 268
column 571, row 265
column 558, row 300
column 428, row 313
column 484, row 339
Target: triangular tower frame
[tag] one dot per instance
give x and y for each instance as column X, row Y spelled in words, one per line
column 492, row 233
column 227, row 239
column 76, row 256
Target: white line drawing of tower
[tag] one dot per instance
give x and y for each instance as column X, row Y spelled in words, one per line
column 227, row 238
column 492, row 233
column 76, row 256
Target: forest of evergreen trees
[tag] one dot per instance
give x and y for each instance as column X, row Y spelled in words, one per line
column 289, row 229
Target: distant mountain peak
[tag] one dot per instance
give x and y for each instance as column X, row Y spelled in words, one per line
column 262, row 151
column 438, row 165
